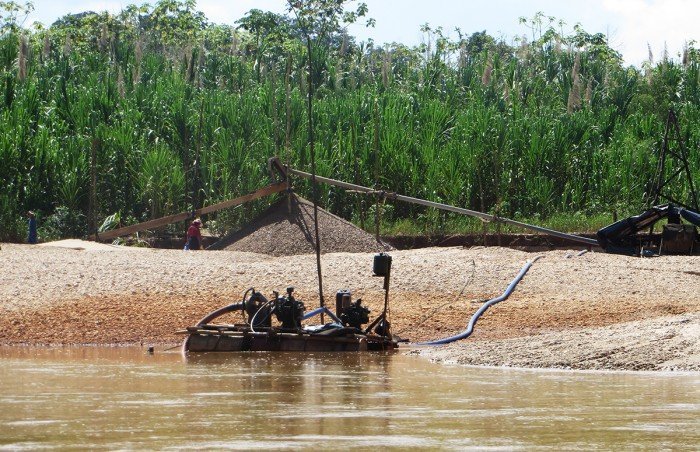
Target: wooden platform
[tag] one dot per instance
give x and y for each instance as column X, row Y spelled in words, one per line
column 233, row 338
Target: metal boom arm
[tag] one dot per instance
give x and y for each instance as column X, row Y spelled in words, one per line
column 437, row 205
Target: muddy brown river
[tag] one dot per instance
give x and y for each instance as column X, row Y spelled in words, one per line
column 123, row 398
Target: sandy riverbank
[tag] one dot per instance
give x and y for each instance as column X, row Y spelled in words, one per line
column 595, row 311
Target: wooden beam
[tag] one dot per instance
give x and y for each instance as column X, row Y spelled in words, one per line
column 164, row 221
column 265, row 191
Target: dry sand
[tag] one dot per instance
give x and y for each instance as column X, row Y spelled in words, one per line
column 596, row 311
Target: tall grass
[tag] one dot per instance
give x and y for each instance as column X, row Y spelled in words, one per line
column 550, row 129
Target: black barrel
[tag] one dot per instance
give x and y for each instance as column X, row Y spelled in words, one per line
column 382, row 264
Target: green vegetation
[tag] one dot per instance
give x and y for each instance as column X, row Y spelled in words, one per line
column 155, row 111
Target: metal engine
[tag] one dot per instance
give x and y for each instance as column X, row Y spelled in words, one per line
column 355, row 315
column 288, row 310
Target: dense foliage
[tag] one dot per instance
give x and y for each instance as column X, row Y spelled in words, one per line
column 155, row 111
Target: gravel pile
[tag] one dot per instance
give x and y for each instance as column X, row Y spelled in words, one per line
column 287, row 228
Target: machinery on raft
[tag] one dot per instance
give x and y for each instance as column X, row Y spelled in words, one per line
column 628, row 235
column 345, row 331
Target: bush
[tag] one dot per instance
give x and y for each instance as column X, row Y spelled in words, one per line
column 63, row 223
column 13, row 226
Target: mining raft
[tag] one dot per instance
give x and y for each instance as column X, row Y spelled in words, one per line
column 345, row 330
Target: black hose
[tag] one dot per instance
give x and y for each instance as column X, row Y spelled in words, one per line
column 245, row 294
column 221, row 311
column 226, row 309
column 470, row 327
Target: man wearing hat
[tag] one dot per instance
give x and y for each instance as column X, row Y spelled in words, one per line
column 194, row 235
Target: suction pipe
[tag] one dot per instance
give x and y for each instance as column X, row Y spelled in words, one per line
column 221, row 311
column 470, row 328
column 437, row 205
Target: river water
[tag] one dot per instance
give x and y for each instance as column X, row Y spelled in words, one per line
column 123, row 398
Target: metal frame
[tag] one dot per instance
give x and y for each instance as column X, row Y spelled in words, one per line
column 682, row 165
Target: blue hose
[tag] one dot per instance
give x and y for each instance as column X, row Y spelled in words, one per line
column 323, row 309
column 470, row 328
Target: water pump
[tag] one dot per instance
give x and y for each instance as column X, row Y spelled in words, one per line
column 289, row 311
column 355, row 315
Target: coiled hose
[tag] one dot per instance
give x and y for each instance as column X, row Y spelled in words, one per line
column 470, row 327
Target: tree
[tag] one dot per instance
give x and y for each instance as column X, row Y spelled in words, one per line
column 10, row 14
column 596, row 45
column 269, row 30
column 317, row 19
column 177, row 21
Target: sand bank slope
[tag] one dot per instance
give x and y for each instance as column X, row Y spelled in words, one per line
column 567, row 312
column 665, row 343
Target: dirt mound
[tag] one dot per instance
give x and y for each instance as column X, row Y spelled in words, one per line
column 287, row 228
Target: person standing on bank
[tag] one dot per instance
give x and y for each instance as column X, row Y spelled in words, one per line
column 194, row 235
column 32, row 236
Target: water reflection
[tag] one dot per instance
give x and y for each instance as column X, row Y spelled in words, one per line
column 125, row 398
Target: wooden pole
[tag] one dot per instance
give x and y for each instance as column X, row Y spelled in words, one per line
column 314, row 184
column 375, row 149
